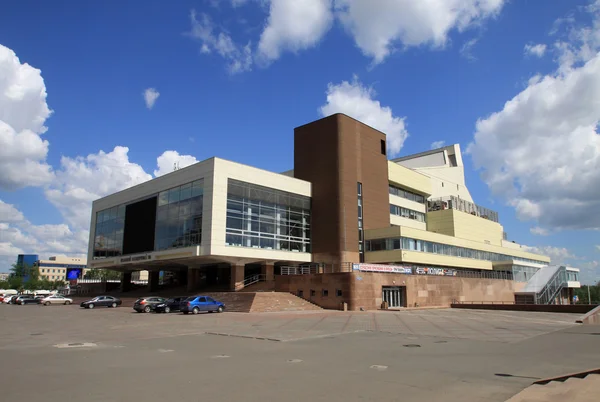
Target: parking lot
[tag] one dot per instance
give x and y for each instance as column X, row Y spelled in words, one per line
column 62, row 352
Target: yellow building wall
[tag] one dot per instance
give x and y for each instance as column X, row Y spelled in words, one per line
column 465, row 226
column 418, row 257
column 412, row 233
column 408, row 178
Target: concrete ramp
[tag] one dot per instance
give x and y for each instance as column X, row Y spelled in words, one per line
column 580, row 387
column 591, row 317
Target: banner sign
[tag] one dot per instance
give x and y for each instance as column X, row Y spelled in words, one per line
column 435, row 271
column 394, row 269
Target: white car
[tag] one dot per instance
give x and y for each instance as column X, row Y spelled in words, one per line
column 56, row 299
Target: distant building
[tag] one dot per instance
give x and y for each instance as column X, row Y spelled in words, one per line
column 27, row 259
column 62, row 268
column 4, row 276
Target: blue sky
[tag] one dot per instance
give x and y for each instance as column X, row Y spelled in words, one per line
column 234, row 81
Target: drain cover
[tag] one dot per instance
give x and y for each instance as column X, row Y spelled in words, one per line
column 294, row 361
column 412, row 345
column 36, row 334
column 219, row 357
column 378, row 367
column 441, row 342
column 74, row 344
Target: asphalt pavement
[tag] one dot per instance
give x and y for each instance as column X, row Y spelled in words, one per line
column 60, row 353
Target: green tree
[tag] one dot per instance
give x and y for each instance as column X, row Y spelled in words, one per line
column 104, row 274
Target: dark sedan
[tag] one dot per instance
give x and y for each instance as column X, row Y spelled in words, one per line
column 170, row 306
column 101, row 301
column 22, row 300
column 147, row 304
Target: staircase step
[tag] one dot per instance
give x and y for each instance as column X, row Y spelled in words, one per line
column 280, row 301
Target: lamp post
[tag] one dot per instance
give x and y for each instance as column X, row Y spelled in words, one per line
column 589, row 297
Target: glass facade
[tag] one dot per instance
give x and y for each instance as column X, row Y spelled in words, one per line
column 361, row 242
column 573, row 276
column 409, row 195
column 405, row 243
column 179, row 216
column 261, row 217
column 407, row 213
column 108, row 239
column 522, row 273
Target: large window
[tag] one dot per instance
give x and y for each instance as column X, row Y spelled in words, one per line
column 108, row 239
column 179, row 216
column 262, row 217
column 405, row 243
column 407, row 213
column 409, row 195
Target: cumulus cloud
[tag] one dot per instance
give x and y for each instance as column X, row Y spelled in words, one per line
column 558, row 255
column 437, row 144
column 150, row 97
column 535, row 50
column 23, row 113
column 377, row 31
column 18, row 235
column 81, row 180
column 357, row 101
column 294, row 25
column 239, row 58
column 536, row 230
column 542, row 150
column 598, row 247
column 169, row 159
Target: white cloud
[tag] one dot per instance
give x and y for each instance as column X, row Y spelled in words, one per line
column 377, row 30
column 23, row 112
column 294, row 25
column 535, row 50
column 542, row 150
column 150, row 97
column 239, row 57
column 536, row 230
column 598, row 247
column 581, row 43
column 558, row 255
column 356, row 100
column 466, row 50
column 82, row 180
column 9, row 214
column 437, row 144
column 167, row 161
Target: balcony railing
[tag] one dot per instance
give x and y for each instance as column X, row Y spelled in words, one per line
column 452, row 202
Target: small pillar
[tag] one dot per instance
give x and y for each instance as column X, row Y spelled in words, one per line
column 268, row 270
column 192, row 275
column 237, row 277
column 153, row 278
column 125, row 281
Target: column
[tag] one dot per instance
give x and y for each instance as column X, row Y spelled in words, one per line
column 153, row 278
column 125, row 281
column 192, row 274
column 237, row 277
column 268, row 270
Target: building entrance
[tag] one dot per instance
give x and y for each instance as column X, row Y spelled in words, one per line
column 394, row 296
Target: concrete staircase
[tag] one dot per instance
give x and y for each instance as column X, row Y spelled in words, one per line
column 263, row 286
column 280, row 301
column 572, row 389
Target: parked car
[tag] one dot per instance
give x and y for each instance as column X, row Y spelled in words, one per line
column 101, row 301
column 147, row 304
column 196, row 304
column 56, row 299
column 26, row 299
column 170, row 306
column 10, row 299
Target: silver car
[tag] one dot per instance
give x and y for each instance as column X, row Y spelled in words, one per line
column 56, row 299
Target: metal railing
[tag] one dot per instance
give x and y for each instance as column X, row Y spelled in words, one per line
column 452, row 202
column 553, row 287
column 252, row 279
column 310, row 269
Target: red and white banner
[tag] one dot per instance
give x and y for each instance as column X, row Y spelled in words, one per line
column 394, row 269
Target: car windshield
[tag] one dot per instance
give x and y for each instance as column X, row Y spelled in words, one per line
column 95, row 299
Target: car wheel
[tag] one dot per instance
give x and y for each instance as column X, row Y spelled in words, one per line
column 114, row 305
column 46, row 303
column 147, row 309
column 67, row 303
column 196, row 310
column 220, row 309
column 91, row 306
column 167, row 310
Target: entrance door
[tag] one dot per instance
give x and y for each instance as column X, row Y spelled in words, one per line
column 393, row 295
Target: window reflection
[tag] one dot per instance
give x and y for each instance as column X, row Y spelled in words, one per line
column 262, row 217
column 108, row 236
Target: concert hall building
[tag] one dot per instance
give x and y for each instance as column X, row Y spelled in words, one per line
column 346, row 227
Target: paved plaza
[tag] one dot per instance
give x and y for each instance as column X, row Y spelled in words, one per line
column 65, row 353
